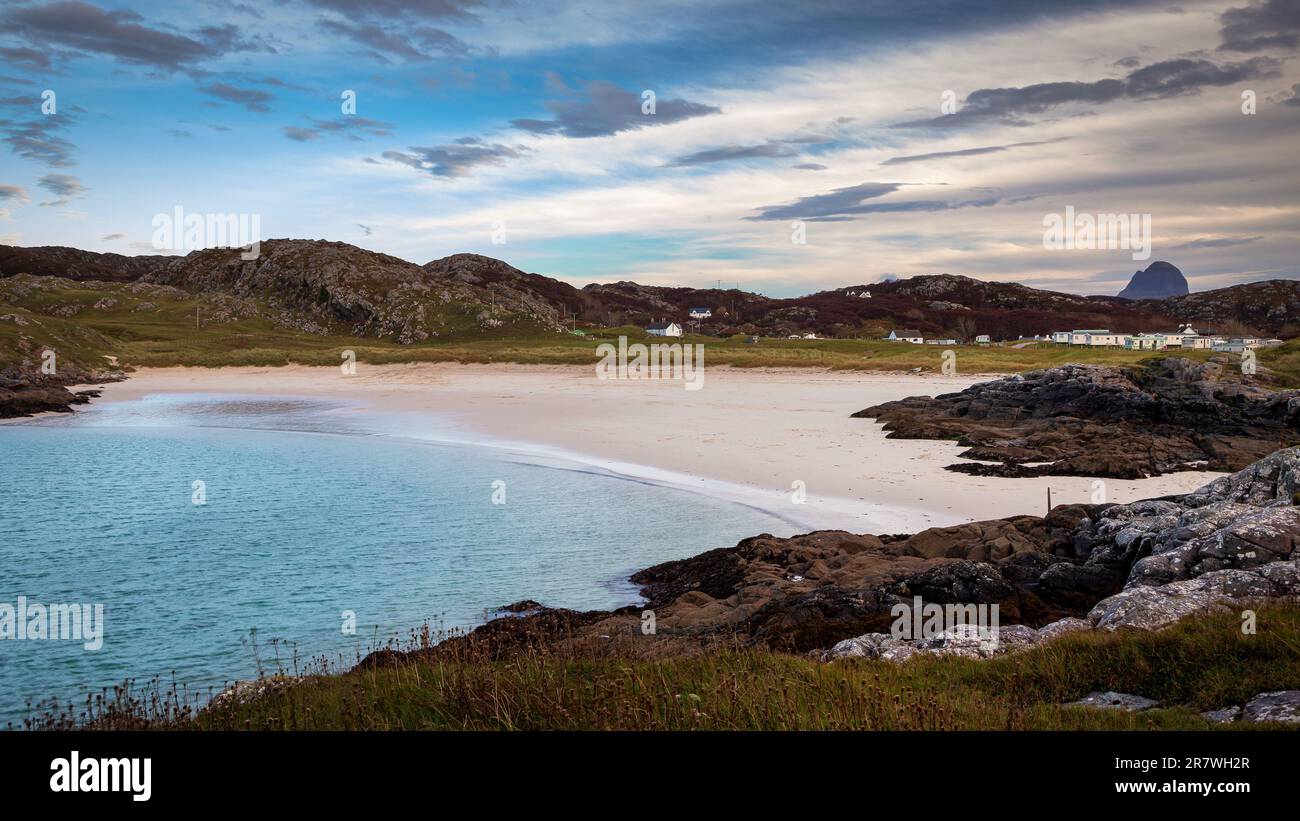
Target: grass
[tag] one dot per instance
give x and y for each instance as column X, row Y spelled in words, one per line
column 1201, row 664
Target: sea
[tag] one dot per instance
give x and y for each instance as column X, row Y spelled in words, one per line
column 221, row 537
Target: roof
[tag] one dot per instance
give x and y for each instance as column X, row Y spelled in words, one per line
column 693, row 310
column 906, row 332
column 659, row 326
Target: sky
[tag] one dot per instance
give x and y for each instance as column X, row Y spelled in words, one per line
column 781, row 147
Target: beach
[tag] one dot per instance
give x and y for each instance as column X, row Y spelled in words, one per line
column 781, row 440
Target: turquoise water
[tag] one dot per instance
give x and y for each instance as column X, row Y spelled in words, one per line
column 307, row 515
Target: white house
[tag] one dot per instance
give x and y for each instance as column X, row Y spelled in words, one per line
column 664, row 329
column 1081, row 337
column 859, row 294
column 1104, row 339
column 941, row 342
column 1060, row 337
column 1145, row 342
column 906, row 335
column 701, row 313
column 1237, row 345
column 982, row 339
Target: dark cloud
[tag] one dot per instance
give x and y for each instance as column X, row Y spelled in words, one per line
column 810, row 166
column 457, row 159
column 1225, row 242
column 37, row 140
column 1259, row 26
column 350, row 125
column 120, row 34
column 607, row 109
column 833, row 203
column 250, row 98
column 966, row 152
column 844, row 204
column 394, row 9
column 64, row 186
column 409, row 44
column 111, row 237
column 1292, row 98
column 300, row 134
column 181, row 133
column 1169, row 78
column 28, row 58
column 727, row 153
column 13, row 193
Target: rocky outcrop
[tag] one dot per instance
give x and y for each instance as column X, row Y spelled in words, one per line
column 1140, row 566
column 1159, row 280
column 26, row 397
column 1086, row 420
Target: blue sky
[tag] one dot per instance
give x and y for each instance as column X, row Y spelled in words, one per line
column 523, row 122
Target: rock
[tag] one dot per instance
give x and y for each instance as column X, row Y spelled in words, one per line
column 1153, row 608
column 1088, row 420
column 1283, row 705
column 1116, row 701
column 1065, row 626
column 1159, row 281
column 1226, row 715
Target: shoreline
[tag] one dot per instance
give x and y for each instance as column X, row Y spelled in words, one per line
column 758, row 437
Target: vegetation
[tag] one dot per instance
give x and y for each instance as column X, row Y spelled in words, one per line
column 1201, row 664
column 138, row 333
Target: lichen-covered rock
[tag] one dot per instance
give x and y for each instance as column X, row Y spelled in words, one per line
column 1282, row 705
column 1225, row 715
column 1116, row 701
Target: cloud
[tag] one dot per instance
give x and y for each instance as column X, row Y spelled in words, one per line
column 250, row 98
column 111, row 237
column 64, row 186
column 300, row 134
column 844, row 204
column 607, row 109
column 1262, row 25
column 119, row 34
column 827, row 204
column 36, row 140
column 14, row 194
column 1169, row 78
column 394, row 9
column 966, row 152
column 28, row 58
column 412, row 45
column 1224, row 242
column 810, row 166
column 727, row 153
column 350, row 125
column 456, row 159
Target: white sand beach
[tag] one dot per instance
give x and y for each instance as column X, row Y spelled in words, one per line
column 755, row 436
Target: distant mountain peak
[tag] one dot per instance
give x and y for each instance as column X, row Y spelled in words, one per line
column 1160, row 280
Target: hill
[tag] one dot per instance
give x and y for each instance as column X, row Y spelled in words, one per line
column 321, row 287
column 1159, row 280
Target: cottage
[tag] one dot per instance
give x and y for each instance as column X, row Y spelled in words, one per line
column 941, row 342
column 664, row 329
column 1060, row 337
column 906, row 335
column 701, row 313
column 982, row 339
